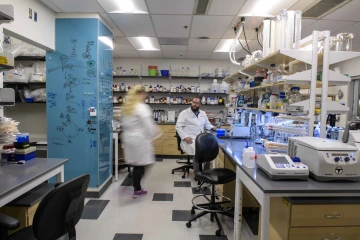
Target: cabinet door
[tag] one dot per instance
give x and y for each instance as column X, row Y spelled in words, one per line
column 325, row 233
column 158, row 143
column 158, row 150
column 170, row 143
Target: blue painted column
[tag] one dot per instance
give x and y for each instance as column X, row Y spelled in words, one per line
column 79, row 78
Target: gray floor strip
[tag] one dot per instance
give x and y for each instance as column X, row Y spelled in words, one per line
column 126, row 236
column 94, row 208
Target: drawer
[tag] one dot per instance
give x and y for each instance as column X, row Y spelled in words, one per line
column 168, row 135
column 32, row 209
column 170, row 143
column 158, row 143
column 325, row 215
column 158, row 150
column 325, row 233
column 219, row 189
column 170, row 151
column 169, row 128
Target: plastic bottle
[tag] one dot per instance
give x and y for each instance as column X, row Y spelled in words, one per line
column 215, row 87
column 317, row 131
column 224, row 87
column 249, row 158
column 273, row 101
column 203, row 100
column 124, row 72
column 161, row 88
column 132, row 72
column 220, row 101
column 273, row 73
column 150, row 88
column 208, row 101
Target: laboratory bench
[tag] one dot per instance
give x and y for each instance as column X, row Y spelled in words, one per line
column 291, row 210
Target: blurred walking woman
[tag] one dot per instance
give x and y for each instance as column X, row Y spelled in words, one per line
column 139, row 132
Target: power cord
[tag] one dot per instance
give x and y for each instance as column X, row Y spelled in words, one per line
column 243, row 47
column 246, row 40
column 257, row 36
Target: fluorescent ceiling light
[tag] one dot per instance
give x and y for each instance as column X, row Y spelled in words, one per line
column 224, row 45
column 107, row 40
column 124, row 6
column 265, row 8
column 145, row 43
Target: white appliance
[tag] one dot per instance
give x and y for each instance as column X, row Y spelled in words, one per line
column 328, row 160
column 282, row 167
column 239, row 131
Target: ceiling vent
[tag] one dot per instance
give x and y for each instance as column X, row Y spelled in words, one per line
column 323, row 7
column 201, row 7
column 172, row 41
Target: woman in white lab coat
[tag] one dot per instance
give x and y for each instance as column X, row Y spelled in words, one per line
column 139, row 130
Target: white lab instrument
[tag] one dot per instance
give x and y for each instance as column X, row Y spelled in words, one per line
column 328, row 160
column 282, row 167
column 239, row 131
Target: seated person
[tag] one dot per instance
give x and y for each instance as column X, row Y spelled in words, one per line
column 190, row 123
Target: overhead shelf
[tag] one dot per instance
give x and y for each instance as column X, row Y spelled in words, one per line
column 24, row 84
column 304, row 77
column 279, row 57
column 168, row 77
column 236, row 76
column 4, row 67
column 30, row 58
column 332, row 107
column 264, row 110
column 176, row 93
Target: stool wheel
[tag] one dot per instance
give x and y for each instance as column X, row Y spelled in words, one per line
column 218, row 233
column 188, row 224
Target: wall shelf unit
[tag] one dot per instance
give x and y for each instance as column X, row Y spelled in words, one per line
column 4, row 67
column 170, row 77
column 25, row 84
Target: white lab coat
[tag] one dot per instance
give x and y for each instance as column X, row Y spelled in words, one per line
column 188, row 125
column 139, row 132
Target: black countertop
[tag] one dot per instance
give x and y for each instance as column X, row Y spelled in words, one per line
column 14, row 176
column 233, row 149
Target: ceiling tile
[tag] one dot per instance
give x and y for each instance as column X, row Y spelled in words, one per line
column 133, row 6
column 174, row 47
column 307, row 22
column 355, row 29
column 116, row 32
column 225, row 55
column 171, row 26
column 121, row 40
column 109, row 21
column 174, row 54
column 228, row 7
column 198, row 55
column 81, row 6
column 134, row 25
column 170, row 6
column 356, row 46
column 51, row 5
column 145, row 43
column 196, row 45
column 124, row 47
column 209, row 26
column 322, row 25
column 115, row 55
column 151, row 54
column 129, row 54
column 348, row 12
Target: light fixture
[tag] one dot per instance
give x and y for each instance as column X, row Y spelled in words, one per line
column 265, row 8
column 203, row 39
column 145, row 43
column 107, row 40
column 124, row 6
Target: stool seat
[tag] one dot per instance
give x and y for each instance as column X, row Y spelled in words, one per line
column 216, row 176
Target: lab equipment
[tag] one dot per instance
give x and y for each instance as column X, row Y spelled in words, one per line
column 283, row 26
column 266, row 38
column 239, row 131
column 328, row 160
column 344, row 41
column 282, row 167
column 295, row 95
column 297, row 35
column 290, row 29
column 220, row 133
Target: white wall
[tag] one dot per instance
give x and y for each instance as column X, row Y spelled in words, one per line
column 40, row 33
column 351, row 67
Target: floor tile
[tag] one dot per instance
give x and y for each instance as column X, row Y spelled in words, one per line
column 213, row 237
column 125, row 236
column 94, row 208
column 182, row 215
column 163, row 197
column 182, row 184
column 207, row 191
column 127, row 181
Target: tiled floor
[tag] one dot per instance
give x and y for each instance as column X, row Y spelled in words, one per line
column 160, row 215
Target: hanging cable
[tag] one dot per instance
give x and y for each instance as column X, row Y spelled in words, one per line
column 246, row 41
column 243, row 47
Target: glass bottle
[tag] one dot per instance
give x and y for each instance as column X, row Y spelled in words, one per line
column 295, row 95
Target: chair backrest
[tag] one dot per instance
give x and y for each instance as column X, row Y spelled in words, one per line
column 178, row 138
column 206, row 148
column 60, row 210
